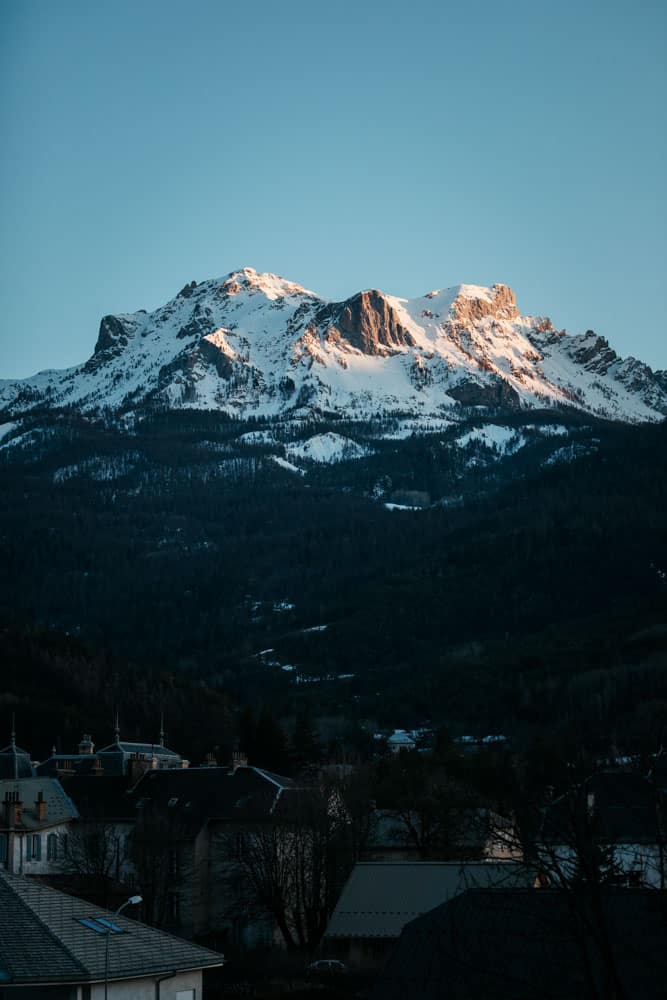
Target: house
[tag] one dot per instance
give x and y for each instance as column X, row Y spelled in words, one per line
column 611, row 827
column 121, row 757
column 57, row 947
column 477, row 833
column 35, row 823
column 521, row 944
column 15, row 762
column 202, row 817
column 378, row 900
column 400, row 740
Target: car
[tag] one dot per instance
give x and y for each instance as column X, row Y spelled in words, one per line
column 326, row 968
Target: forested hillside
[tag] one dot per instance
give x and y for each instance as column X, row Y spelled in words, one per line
column 509, row 597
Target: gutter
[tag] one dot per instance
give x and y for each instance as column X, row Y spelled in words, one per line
column 160, row 980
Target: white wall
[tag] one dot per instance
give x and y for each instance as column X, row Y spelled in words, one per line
column 144, row 989
column 19, row 862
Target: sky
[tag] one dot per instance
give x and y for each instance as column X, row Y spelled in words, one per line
column 405, row 146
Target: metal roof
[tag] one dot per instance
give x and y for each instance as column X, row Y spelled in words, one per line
column 42, row 940
column 380, row 898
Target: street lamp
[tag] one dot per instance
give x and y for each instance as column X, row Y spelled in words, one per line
column 132, row 901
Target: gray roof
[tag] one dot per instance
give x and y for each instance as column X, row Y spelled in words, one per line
column 59, row 807
column 156, row 749
column 14, row 762
column 380, row 898
column 42, row 941
column 194, row 795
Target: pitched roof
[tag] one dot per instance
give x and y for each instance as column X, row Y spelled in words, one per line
column 157, row 749
column 15, row 762
column 100, row 796
column 196, row 794
column 42, row 940
column 521, row 944
column 379, row 899
column 59, row 807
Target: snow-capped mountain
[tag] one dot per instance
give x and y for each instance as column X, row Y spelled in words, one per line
column 256, row 344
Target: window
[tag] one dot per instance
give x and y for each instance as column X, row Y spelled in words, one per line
column 3, row 848
column 174, row 907
column 173, row 863
column 33, row 847
column 100, row 925
column 51, row 847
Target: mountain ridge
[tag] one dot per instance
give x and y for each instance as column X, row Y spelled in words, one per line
column 253, row 344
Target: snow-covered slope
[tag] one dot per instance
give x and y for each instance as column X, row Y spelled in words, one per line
column 256, row 344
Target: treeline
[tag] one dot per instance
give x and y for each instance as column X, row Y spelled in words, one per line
column 195, row 574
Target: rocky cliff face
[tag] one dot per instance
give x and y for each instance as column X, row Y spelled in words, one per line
column 257, row 344
column 367, row 322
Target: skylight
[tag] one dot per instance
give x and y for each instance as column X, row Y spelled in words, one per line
column 100, row 925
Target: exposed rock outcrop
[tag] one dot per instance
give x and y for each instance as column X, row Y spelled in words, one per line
column 367, row 322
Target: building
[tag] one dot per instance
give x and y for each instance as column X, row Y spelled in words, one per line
column 378, row 900
column 120, row 758
column 35, row 825
column 521, row 944
column 58, row 947
column 201, row 819
column 611, row 827
column 14, row 762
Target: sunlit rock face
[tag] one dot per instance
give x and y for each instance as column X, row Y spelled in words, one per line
column 257, row 344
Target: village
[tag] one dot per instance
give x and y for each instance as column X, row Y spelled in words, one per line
column 148, row 873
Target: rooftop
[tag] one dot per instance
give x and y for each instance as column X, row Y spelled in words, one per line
column 59, row 807
column 379, row 899
column 43, row 941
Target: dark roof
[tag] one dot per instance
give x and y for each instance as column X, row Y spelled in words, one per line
column 15, row 762
column 379, row 899
column 100, row 796
column 157, row 749
column 83, row 763
column 529, row 944
column 42, row 941
column 613, row 806
column 196, row 794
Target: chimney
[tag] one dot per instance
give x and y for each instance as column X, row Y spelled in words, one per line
column 210, row 760
column 97, row 766
column 13, row 809
column 40, row 807
column 86, row 746
column 239, row 759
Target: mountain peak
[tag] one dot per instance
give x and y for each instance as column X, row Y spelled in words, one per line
column 254, row 343
column 274, row 286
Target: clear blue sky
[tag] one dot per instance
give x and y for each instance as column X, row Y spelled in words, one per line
column 406, row 146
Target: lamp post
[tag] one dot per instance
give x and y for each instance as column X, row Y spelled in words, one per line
column 132, row 901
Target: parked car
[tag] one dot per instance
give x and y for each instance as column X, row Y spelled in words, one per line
column 326, row 968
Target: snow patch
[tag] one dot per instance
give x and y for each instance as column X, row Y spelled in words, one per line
column 329, row 447
column 284, row 464
column 505, row 440
column 6, row 429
